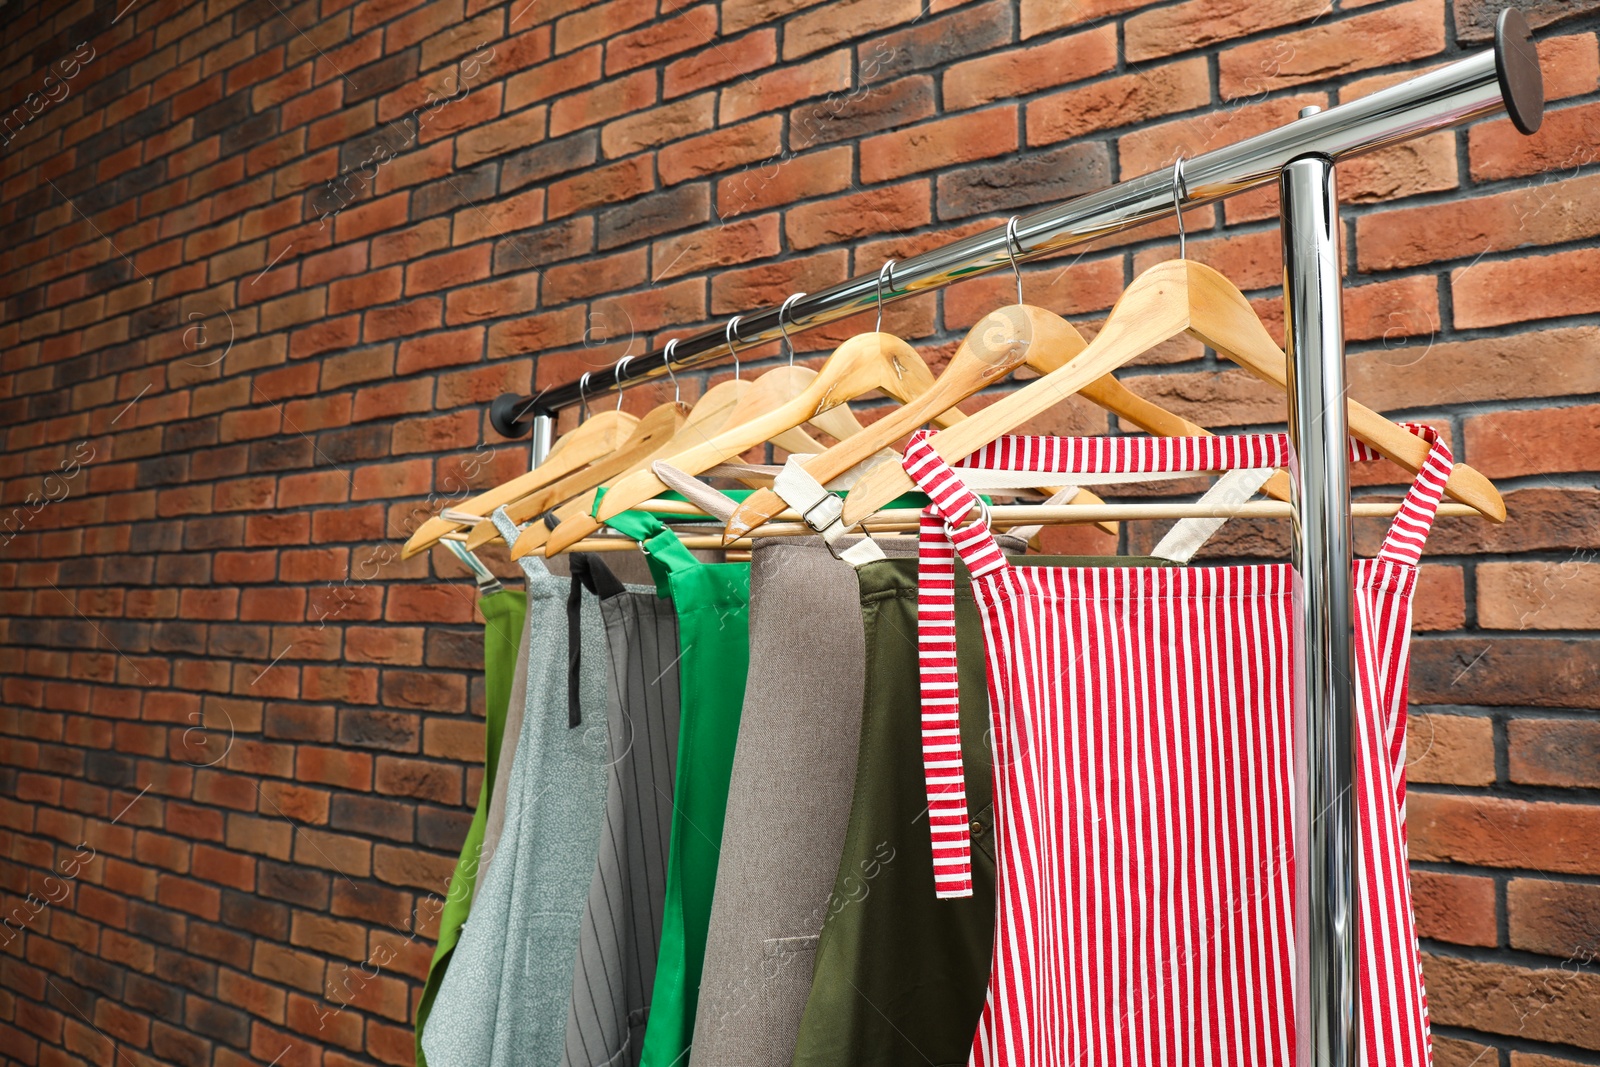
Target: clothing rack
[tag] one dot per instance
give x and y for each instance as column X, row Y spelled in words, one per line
column 1300, row 157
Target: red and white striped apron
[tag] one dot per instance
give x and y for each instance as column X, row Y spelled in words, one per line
column 1143, row 778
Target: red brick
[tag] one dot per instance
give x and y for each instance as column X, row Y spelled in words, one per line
column 491, row 300
column 940, row 144
column 1129, row 100
column 1538, row 595
column 694, row 28
column 613, row 97
column 379, row 287
column 1510, row 443
column 422, row 779
column 558, row 76
column 1454, row 907
column 724, row 150
column 447, row 271
column 727, row 61
column 787, row 85
column 1548, row 213
column 1550, row 1005
column 599, row 185
column 837, row 22
column 1492, row 832
column 785, row 180
column 729, row 244
column 1490, row 293
column 1566, row 142
column 1545, row 363
column 1441, row 599
column 1390, row 35
column 1555, row 752
column 734, row 290
column 603, row 274
column 1450, row 749
column 897, row 207
column 361, row 220
column 414, row 316
column 1155, row 147
column 1023, row 71
column 1198, row 23
column 1553, row 918
column 498, row 218
column 440, row 350
column 502, row 137
column 337, row 767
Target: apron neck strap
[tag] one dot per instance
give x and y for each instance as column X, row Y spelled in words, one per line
column 949, row 500
column 662, row 549
column 1409, row 530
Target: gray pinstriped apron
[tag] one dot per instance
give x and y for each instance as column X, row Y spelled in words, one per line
column 615, row 970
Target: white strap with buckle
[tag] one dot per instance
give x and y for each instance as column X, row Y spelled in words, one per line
column 822, row 511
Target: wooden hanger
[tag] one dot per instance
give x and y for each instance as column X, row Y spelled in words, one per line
column 593, row 439
column 657, row 425
column 1168, row 299
column 757, row 399
column 865, row 362
column 708, row 415
column 1001, row 341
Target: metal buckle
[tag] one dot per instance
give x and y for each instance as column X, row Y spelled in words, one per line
column 983, row 520
column 832, row 507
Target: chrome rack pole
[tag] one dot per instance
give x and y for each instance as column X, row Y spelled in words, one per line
column 544, row 428
column 1504, row 77
column 1326, row 912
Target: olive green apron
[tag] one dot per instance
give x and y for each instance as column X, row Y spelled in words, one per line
column 900, row 976
column 712, row 602
column 502, row 631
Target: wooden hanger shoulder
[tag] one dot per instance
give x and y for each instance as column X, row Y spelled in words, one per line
column 993, row 347
column 1119, row 341
column 656, row 427
column 708, row 417
column 592, row 439
column 859, row 365
column 1224, row 319
column 1165, row 300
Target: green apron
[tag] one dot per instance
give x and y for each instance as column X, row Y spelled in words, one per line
column 712, row 601
column 503, row 613
column 900, row 976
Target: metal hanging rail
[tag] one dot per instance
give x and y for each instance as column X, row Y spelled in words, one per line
column 1505, row 77
column 1301, row 158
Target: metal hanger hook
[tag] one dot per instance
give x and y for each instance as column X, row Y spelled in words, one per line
column 666, row 361
column 784, row 329
column 616, row 375
column 887, row 268
column 1011, row 245
column 731, row 335
column 1180, row 193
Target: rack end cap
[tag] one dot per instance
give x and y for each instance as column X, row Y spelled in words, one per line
column 511, row 415
column 1516, row 61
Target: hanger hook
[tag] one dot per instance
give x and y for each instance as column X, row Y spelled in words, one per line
column 887, row 268
column 616, row 375
column 583, row 397
column 1180, row 193
column 784, row 329
column 666, row 361
column 731, row 335
column 1011, row 245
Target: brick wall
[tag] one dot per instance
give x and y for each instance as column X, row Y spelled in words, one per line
column 262, row 262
